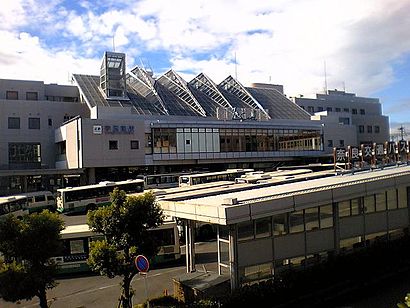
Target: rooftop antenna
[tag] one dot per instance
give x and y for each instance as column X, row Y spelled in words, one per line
column 344, row 86
column 113, row 42
column 325, row 76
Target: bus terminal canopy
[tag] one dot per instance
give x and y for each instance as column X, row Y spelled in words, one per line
column 225, row 207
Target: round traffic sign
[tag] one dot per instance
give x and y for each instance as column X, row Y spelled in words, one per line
column 142, row 263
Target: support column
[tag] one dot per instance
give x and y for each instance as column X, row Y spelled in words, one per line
column 190, row 246
column 233, row 256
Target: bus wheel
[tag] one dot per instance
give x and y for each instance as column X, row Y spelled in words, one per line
column 90, row 207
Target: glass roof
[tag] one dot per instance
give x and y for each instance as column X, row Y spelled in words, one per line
column 234, row 87
column 178, row 86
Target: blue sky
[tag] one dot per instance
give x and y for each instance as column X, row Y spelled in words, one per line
column 365, row 44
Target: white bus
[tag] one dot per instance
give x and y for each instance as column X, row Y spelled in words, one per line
column 201, row 178
column 14, row 205
column 77, row 239
column 29, row 202
column 84, row 198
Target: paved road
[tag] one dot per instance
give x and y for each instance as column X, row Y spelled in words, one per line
column 97, row 291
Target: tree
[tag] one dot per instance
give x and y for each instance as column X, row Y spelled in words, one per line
column 406, row 302
column 27, row 245
column 125, row 224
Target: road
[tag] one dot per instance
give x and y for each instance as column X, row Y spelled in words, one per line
column 98, row 291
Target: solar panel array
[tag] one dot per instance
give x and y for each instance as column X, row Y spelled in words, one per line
column 171, row 95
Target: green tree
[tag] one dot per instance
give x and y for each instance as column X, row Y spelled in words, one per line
column 125, row 224
column 406, row 303
column 27, row 246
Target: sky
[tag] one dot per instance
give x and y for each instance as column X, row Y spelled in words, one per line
column 363, row 46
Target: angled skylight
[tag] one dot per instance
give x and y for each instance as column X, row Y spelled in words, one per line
column 234, row 87
column 178, row 86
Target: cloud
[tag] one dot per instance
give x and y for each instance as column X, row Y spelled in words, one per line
column 285, row 41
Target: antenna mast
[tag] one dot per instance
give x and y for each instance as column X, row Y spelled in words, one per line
column 113, row 43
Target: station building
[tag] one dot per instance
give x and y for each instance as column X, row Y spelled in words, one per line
column 117, row 125
column 264, row 230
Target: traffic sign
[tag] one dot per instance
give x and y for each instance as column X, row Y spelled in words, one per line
column 142, row 263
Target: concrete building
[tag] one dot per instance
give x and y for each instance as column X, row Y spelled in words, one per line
column 30, row 111
column 347, row 119
column 264, row 230
column 120, row 124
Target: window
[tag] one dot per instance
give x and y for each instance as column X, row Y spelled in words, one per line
column 319, row 109
column 24, row 153
column 326, row 216
column 135, row 144
column 380, row 202
column 391, row 199
column 354, row 111
column 40, row 198
column 14, row 123
column 50, row 122
column 344, row 121
column 344, row 208
column 113, row 144
column 187, row 142
column 280, row 224
column 12, row 95
column 338, row 109
column 31, row 96
column 329, row 109
column 369, row 129
column 296, row 222
column 345, row 109
column 377, row 129
column 341, row 143
column 369, row 204
column 312, row 219
column 263, row 227
column 361, row 129
column 245, row 230
column 330, row 143
column 34, row 123
column 362, row 111
column 311, row 109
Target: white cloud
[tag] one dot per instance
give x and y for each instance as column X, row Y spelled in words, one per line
column 284, row 41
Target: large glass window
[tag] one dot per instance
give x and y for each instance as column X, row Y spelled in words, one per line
column 369, row 204
column 296, row 222
column 402, row 197
column 24, row 153
column 263, row 227
column 381, row 202
column 344, row 208
column 280, row 224
column 392, row 199
column 34, row 123
column 245, row 230
column 356, row 206
column 14, row 123
column 326, row 216
column 312, row 218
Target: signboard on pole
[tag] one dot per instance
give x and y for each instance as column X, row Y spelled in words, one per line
column 142, row 263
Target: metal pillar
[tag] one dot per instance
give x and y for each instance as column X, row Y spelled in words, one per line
column 233, row 257
column 190, row 246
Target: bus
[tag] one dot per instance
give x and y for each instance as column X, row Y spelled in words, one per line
column 165, row 180
column 14, row 205
column 76, row 240
column 201, row 178
column 27, row 203
column 85, row 198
